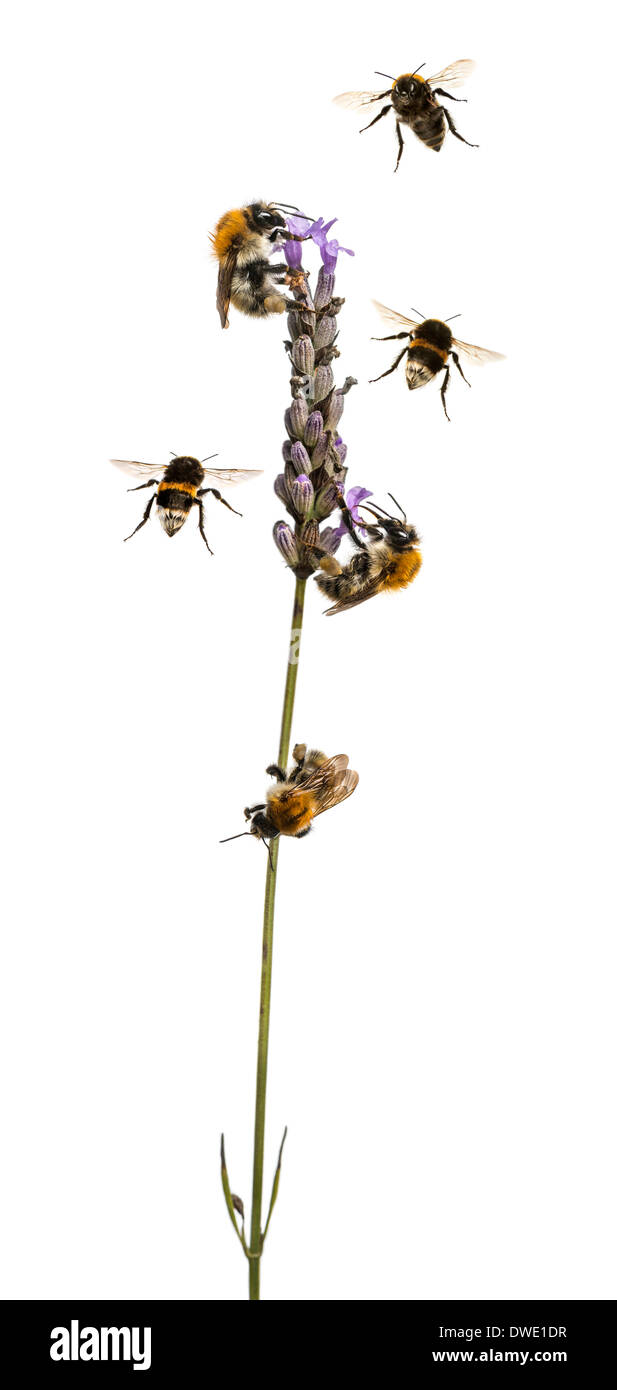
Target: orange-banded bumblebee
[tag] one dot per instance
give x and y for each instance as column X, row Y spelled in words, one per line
column 179, row 489
column 389, row 561
column 430, row 345
column 315, row 784
column 242, row 241
column 412, row 98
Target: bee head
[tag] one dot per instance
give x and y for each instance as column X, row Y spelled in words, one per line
column 407, row 87
column 399, row 532
column 262, row 826
column 267, row 219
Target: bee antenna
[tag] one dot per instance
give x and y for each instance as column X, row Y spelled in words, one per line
column 397, row 504
column 286, row 207
column 366, row 508
column 452, row 316
column 418, row 311
column 208, row 456
column 174, row 456
column 385, row 74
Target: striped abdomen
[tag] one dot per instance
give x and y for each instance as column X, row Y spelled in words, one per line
column 424, row 361
column 430, row 128
column 174, row 501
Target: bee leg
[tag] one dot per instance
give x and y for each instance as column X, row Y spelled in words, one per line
column 299, row 756
column 439, row 92
column 455, row 131
column 348, row 521
column 383, row 112
column 454, row 357
column 144, row 518
column 390, row 337
column 203, row 490
column 275, row 771
column 298, row 306
column 444, row 388
column 394, row 364
column 199, row 503
column 401, row 145
column 302, row 833
column 153, row 482
column 250, row 810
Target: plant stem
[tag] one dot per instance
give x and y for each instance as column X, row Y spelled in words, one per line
column 266, row 961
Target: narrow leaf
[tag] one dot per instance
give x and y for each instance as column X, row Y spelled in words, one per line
column 275, row 1187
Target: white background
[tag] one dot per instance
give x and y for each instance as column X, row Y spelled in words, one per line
column 442, row 1002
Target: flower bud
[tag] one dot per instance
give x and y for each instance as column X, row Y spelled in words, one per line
column 303, row 355
column 320, row 451
column 325, row 332
column 285, row 541
column 302, row 494
column 341, row 450
column 313, row 428
column 281, row 489
column 335, row 410
column 295, row 325
column 324, row 290
column 329, row 539
column 296, row 418
column 326, row 501
column 309, row 534
column 287, row 450
column 290, row 478
column 323, row 382
column 300, row 458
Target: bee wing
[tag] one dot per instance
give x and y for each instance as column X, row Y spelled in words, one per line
column 233, row 475
column 454, row 75
column 337, row 784
column 355, row 101
column 476, row 355
column 223, row 288
column 139, row 470
column 344, row 603
column 392, row 316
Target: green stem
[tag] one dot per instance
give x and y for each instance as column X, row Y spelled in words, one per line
column 266, row 959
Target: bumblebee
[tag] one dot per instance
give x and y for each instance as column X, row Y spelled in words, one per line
column 412, row 98
column 314, row 784
column 179, row 488
column 389, row 561
column 430, row 345
column 242, row 241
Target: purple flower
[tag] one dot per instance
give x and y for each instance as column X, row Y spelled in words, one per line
column 352, row 501
column 318, row 232
column 329, row 540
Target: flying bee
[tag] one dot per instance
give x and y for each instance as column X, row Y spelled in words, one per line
column 179, row 488
column 314, row 784
column 412, row 98
column 430, row 345
column 242, row 241
column 389, row 561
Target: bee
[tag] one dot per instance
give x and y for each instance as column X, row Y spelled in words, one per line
column 242, row 241
column 389, row 561
column 179, row 488
column 412, row 98
column 314, row 784
column 430, row 345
